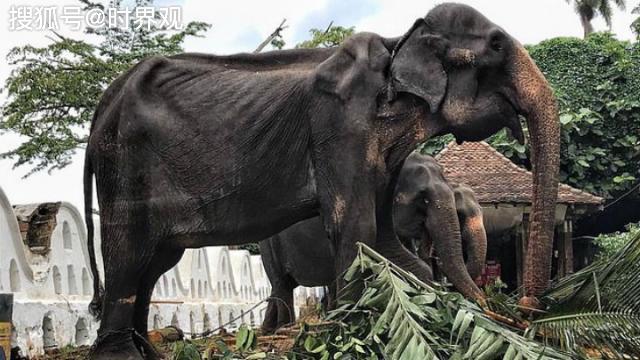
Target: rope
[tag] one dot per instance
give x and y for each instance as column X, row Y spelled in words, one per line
column 231, row 321
column 637, row 186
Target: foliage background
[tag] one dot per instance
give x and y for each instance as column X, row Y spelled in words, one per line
column 53, row 90
column 609, row 244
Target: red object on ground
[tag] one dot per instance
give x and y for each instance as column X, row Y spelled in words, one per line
column 491, row 271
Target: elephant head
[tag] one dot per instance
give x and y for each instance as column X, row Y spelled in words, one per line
column 477, row 79
column 428, row 208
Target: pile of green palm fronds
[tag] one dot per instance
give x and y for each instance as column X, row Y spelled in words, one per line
column 595, row 312
column 598, row 308
column 592, row 313
column 396, row 316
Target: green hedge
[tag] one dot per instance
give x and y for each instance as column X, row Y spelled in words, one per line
column 597, row 82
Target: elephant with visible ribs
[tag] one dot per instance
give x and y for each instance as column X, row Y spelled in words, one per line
column 196, row 150
column 302, row 254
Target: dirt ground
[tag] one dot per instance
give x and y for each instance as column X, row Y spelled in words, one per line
column 279, row 343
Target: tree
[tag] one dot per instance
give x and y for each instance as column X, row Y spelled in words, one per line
column 589, row 9
column 53, row 91
column 635, row 25
column 332, row 36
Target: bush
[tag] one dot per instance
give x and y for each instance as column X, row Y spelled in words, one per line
column 610, row 244
column 597, row 83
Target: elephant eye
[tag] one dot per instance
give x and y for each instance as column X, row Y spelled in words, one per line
column 496, row 40
column 496, row 44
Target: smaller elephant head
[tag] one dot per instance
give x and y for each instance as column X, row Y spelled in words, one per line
column 427, row 207
column 473, row 232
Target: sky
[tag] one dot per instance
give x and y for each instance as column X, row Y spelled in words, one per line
column 240, row 25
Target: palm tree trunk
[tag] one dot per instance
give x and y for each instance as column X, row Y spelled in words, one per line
column 586, row 25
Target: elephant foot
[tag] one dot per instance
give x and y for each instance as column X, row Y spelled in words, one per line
column 115, row 344
column 267, row 330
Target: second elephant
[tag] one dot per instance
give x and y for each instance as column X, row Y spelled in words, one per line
column 426, row 208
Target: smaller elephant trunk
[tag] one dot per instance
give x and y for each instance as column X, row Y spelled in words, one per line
column 474, row 238
column 443, row 227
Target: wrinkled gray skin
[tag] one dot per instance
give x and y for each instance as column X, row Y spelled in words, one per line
column 200, row 150
column 301, row 254
column 473, row 235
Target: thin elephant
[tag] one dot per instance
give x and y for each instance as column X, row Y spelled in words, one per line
column 302, row 254
column 200, row 150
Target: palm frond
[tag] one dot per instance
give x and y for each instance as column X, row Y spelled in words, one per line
column 604, row 9
column 615, row 334
column 598, row 307
column 404, row 318
column 591, row 8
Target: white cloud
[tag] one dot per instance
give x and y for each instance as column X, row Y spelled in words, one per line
column 239, row 25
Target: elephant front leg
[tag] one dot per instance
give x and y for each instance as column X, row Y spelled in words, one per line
column 349, row 171
column 350, row 222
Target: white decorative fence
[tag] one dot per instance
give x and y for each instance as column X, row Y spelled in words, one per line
column 209, row 286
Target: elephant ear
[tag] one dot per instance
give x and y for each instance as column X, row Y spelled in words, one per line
column 357, row 67
column 416, row 65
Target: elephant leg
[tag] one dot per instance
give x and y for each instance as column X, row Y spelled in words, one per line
column 399, row 255
column 123, row 266
column 280, row 309
column 332, row 297
column 286, row 311
column 270, row 322
column 162, row 261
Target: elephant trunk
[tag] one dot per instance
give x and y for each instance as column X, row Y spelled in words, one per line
column 443, row 227
column 399, row 255
column 538, row 104
column 474, row 238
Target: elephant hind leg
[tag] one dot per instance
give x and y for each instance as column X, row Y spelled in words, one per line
column 162, row 261
column 280, row 310
column 270, row 322
column 286, row 310
column 123, row 265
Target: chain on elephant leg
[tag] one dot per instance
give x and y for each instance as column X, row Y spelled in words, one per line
column 116, row 334
column 115, row 344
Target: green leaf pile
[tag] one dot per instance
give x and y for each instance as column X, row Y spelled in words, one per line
column 598, row 308
column 396, row 316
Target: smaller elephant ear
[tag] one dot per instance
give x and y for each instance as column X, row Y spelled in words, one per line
column 416, row 66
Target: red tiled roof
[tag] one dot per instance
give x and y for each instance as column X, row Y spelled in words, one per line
column 495, row 179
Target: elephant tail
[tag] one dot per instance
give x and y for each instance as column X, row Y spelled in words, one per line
column 95, row 307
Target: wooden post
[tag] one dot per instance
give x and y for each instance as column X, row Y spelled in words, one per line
column 565, row 248
column 558, row 241
column 568, row 245
column 6, row 314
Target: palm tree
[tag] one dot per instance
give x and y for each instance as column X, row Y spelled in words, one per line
column 588, row 9
column 635, row 26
